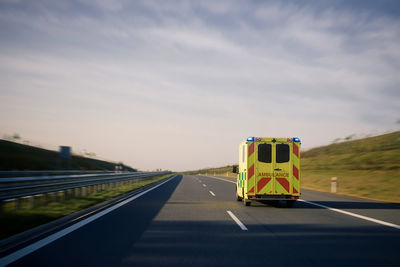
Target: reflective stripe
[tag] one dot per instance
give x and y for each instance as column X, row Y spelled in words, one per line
column 296, row 169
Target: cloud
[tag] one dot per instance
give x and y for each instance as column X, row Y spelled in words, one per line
column 195, row 75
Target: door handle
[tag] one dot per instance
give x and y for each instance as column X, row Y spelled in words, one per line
column 277, row 169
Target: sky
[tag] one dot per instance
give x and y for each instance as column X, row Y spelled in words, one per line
column 178, row 85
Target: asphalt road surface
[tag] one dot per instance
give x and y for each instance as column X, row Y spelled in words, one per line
column 196, row 221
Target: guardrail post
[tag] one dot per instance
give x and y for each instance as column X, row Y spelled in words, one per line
column 32, row 202
column 84, row 189
column 45, row 199
column 17, row 203
column 64, row 195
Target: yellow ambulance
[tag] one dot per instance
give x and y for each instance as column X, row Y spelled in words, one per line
column 269, row 169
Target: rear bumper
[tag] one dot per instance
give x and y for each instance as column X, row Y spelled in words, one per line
column 273, row 197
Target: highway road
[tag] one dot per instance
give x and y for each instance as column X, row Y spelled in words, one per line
column 196, row 221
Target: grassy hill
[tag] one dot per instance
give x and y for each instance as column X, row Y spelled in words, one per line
column 15, row 156
column 368, row 168
column 374, row 153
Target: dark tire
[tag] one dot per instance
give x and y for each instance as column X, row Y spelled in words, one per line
column 274, row 203
column 290, row 203
column 238, row 198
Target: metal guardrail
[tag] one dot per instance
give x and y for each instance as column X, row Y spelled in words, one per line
column 47, row 172
column 19, row 187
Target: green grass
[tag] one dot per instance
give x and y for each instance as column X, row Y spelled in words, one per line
column 368, row 167
column 374, row 153
column 15, row 221
column 372, row 184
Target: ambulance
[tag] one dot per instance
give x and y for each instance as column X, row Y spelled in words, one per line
column 268, row 170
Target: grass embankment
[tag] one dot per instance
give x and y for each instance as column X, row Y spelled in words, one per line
column 15, row 221
column 220, row 171
column 15, row 156
column 368, row 167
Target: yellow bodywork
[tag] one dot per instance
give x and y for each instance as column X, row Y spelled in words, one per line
column 269, row 168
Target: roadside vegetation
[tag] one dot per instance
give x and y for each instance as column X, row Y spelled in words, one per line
column 220, row 171
column 367, row 168
column 14, row 221
column 15, row 156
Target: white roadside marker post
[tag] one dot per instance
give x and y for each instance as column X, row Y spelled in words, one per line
column 333, row 185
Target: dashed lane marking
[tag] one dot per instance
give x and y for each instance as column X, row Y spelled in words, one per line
column 241, row 225
column 336, row 210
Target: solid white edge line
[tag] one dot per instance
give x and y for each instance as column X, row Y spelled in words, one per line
column 212, row 193
column 234, row 182
column 241, row 225
column 353, row 214
column 47, row 240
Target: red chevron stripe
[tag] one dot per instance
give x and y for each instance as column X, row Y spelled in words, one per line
column 251, row 190
column 295, row 191
column 295, row 150
column 284, row 183
column 262, row 183
column 251, row 172
column 295, row 172
column 251, row 149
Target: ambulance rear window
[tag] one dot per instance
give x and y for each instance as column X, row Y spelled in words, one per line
column 282, row 153
column 264, row 153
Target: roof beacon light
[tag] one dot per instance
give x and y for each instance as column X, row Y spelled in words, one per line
column 296, row 139
column 251, row 139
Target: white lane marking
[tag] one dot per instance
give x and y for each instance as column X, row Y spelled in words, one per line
column 353, row 214
column 204, row 185
column 241, row 225
column 212, row 193
column 45, row 241
column 337, row 210
column 234, row 182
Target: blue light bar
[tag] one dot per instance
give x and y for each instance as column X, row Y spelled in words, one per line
column 251, row 139
column 296, row 139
